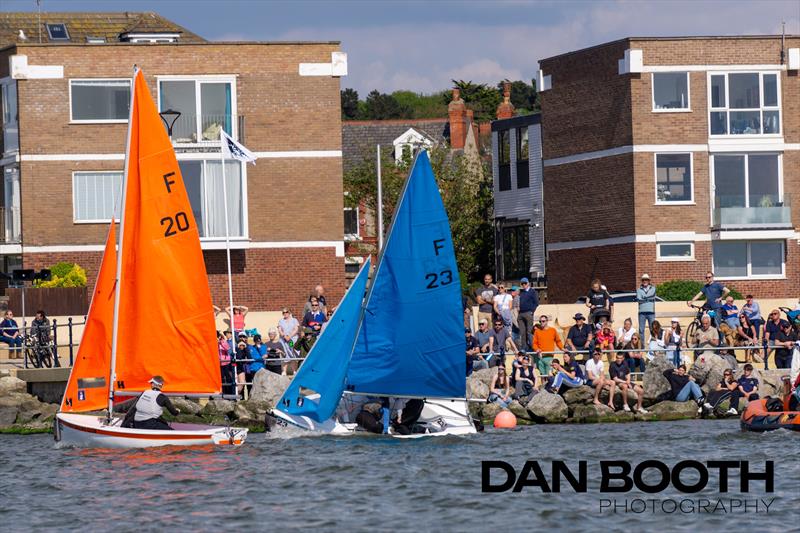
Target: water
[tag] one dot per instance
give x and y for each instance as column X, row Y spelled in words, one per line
column 374, row 483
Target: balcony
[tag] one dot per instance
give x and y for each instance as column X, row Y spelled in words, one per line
column 204, row 129
column 732, row 212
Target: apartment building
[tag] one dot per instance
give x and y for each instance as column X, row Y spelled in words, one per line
column 65, row 94
column 673, row 156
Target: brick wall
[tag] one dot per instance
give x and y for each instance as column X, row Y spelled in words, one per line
column 570, row 272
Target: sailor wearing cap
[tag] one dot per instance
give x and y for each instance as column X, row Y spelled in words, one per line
column 150, row 406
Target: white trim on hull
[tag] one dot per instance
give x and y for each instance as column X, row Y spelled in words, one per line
column 451, row 415
column 91, row 431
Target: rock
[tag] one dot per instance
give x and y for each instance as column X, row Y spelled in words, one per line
column 548, row 407
column 632, row 399
column 9, row 384
column 186, row 406
column 593, row 413
column 653, row 381
column 41, row 413
column 583, row 395
column 490, row 410
column 268, row 386
column 256, row 408
column 708, row 369
column 485, row 376
column 216, row 409
column 476, row 388
column 240, row 412
column 670, row 410
column 519, row 411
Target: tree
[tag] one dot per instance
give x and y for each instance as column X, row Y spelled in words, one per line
column 349, row 104
column 523, row 96
column 382, row 106
column 482, row 99
column 465, row 186
column 418, row 105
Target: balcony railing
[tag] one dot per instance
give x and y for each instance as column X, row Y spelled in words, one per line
column 765, row 212
column 191, row 129
column 10, row 226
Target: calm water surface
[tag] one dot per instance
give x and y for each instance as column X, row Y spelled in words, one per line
column 376, row 483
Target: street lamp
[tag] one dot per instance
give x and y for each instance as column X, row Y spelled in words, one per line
column 169, row 116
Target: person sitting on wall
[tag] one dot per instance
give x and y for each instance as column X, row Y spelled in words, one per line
column 726, row 388
column 596, row 378
column 606, row 339
column 621, row 375
column 683, row 387
column 580, row 337
column 475, row 360
column 748, row 385
column 9, row 332
column 524, row 379
column 568, row 375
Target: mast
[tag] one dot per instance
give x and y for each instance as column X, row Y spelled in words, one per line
column 230, row 277
column 112, row 375
column 380, row 201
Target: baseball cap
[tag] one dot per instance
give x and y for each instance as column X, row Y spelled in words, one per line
column 645, row 276
column 467, row 330
column 524, row 280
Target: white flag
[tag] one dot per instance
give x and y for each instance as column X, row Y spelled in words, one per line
column 233, row 150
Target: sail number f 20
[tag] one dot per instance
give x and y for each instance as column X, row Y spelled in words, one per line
column 178, row 223
column 445, row 277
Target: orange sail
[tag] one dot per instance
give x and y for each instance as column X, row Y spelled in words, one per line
column 87, row 388
column 165, row 323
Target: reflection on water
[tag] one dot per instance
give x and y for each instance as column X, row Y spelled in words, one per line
column 370, row 482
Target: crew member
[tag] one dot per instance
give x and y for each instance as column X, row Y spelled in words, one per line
column 150, row 406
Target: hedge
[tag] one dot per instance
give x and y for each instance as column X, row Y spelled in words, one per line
column 64, row 274
column 682, row 290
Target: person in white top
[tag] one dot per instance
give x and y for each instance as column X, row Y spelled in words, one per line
column 595, row 377
column 625, row 333
column 502, row 303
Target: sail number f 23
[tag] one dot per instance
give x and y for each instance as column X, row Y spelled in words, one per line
column 442, row 278
column 179, row 222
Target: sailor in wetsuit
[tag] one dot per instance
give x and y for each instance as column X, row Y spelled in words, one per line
column 150, row 406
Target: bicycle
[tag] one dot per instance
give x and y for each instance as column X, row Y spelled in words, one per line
column 38, row 354
column 697, row 323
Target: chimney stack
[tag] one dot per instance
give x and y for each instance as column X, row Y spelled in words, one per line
column 457, row 111
column 506, row 108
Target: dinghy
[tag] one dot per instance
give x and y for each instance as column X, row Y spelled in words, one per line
column 151, row 311
column 405, row 341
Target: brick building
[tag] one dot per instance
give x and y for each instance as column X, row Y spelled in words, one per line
column 65, row 106
column 673, row 156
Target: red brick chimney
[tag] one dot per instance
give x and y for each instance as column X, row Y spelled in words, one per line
column 506, row 108
column 457, row 111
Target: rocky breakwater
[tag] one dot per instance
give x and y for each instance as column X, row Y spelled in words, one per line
column 21, row 412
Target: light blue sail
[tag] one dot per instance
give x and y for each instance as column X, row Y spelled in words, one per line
column 317, row 388
column 411, row 341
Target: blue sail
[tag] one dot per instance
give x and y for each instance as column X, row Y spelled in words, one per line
column 317, row 388
column 411, row 341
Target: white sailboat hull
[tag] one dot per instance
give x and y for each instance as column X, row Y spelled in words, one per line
column 444, row 417
column 88, row 431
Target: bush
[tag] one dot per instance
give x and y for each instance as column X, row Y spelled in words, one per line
column 64, row 275
column 682, row 290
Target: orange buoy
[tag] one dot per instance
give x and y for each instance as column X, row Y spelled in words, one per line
column 505, row 420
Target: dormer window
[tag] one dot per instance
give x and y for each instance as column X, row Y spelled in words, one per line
column 57, row 32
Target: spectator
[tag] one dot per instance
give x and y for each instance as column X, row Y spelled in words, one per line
column 475, row 360
column 483, row 334
column 500, row 389
column 714, row 293
column 748, row 385
column 241, row 357
column 528, row 302
column 319, row 296
column 502, row 304
column 621, row 375
column 257, row 353
column 40, row 328
column 484, row 295
column 328, row 314
column 515, row 314
column 606, row 340
column 235, row 318
column 726, row 388
column 467, row 311
column 288, row 331
column 595, row 377
column 772, row 328
column 9, row 332
column 785, row 341
column 705, row 336
column 569, row 374
column 225, row 362
column 275, row 352
column 599, row 302
column 752, row 310
column 730, row 313
column 545, row 339
column 524, row 379
column 673, row 339
column 500, row 340
column 625, row 333
column 683, row 386
column 579, row 336
column 634, row 354
column 314, row 319
column 746, row 335
column 646, row 298
column 656, row 345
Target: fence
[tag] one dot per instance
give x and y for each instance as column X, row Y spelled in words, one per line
column 57, row 301
column 61, row 344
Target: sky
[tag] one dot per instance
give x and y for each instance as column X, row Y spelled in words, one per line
column 423, row 45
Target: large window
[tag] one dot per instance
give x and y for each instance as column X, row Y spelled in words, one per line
column 351, row 222
column 670, row 91
column 203, row 179
column 8, row 95
column 504, row 160
column 99, row 100
column 206, row 106
column 96, row 196
column 753, row 259
column 516, row 252
column 674, row 178
column 744, row 103
column 523, row 175
column 747, row 180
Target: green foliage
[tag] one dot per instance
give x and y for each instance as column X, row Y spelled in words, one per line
column 483, row 100
column 682, row 290
column 382, row 106
column 64, row 275
column 417, row 105
column 349, row 104
column 465, row 186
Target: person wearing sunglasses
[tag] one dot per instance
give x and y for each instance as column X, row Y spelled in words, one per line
column 727, row 388
column 545, row 340
column 772, row 330
column 715, row 293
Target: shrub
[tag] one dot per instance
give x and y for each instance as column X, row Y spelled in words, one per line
column 64, row 275
column 682, row 290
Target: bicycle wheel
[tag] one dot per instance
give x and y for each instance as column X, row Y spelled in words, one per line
column 32, row 357
column 690, row 332
column 46, row 356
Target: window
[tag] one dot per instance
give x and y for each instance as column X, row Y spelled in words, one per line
column 350, row 222
column 670, row 91
column 674, row 179
column 516, row 252
column 675, row 251
column 99, row 100
column 523, row 176
column 57, row 32
column 747, row 180
column 203, row 180
column 504, row 160
column 8, row 95
column 206, row 107
column 753, row 259
column 96, row 196
column 744, row 103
